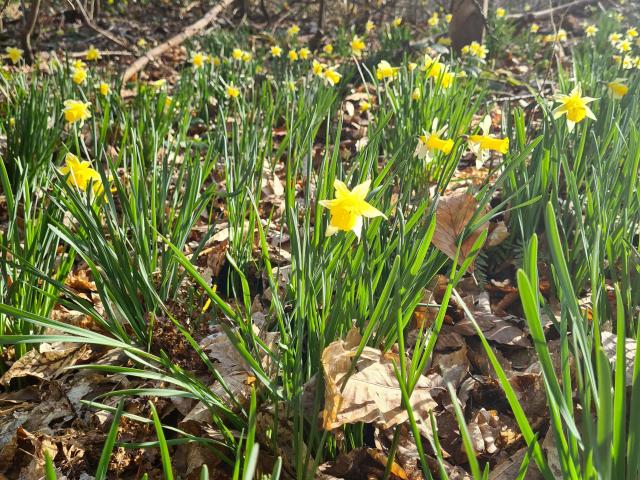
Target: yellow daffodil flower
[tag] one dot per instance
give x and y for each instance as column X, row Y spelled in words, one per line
column 197, row 59
column 615, row 38
column 590, row 31
column 369, row 27
column 104, row 89
column 433, row 19
column 631, row 33
column 448, row 17
column 246, row 57
column 232, row 91
column 79, row 64
column 141, row 42
column 384, row 70
column 236, row 54
column 331, row 76
column 76, row 111
column 317, row 67
column 328, row 48
column 481, row 145
column 349, row 207
column 500, row 12
column 364, row 106
column 397, row 21
column 617, row 89
column 293, row 55
column 93, row 54
column 534, row 28
column 276, row 51
column 624, row 46
column 293, row 30
column 14, row 54
column 574, row 106
column 357, row 46
column 80, row 174
column 304, row 53
column 78, row 75
column 475, row 49
column 430, row 144
column 416, row 94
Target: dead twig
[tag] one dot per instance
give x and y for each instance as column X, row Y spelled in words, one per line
column 549, row 12
column 174, row 41
column 89, row 23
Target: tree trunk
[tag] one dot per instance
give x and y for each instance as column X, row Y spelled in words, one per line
column 32, row 20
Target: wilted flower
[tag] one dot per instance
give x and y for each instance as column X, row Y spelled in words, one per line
column 349, row 207
column 80, row 174
column 357, row 46
column 430, row 144
column 574, row 106
column 76, row 111
column 617, row 89
column 14, row 54
column 93, row 54
column 481, row 145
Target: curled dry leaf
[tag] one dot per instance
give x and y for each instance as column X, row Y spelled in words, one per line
column 453, row 214
column 372, row 393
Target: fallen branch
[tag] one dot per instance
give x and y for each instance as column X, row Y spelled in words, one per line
column 86, row 19
column 530, row 16
column 174, row 41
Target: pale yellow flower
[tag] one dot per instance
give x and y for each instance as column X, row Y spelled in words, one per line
column 78, row 75
column 574, row 106
column 236, row 54
column 631, row 33
column 397, row 21
column 14, row 54
column 197, row 59
column 293, row 55
column 232, row 91
column 384, row 70
column 615, row 38
column 349, row 207
column 433, row 19
column 317, row 67
column 617, row 89
column 591, row 30
column 448, row 17
column 500, row 12
column 430, row 144
column 331, row 76
column 276, row 51
column 328, row 48
column 416, row 94
column 534, row 28
column 304, row 53
column 481, row 145
column 104, row 88
column 370, row 26
column 293, row 30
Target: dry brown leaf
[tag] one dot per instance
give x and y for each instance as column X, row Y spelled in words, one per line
column 453, row 213
column 371, row 394
column 48, row 363
column 509, row 469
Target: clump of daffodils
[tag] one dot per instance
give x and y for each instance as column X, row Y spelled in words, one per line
column 430, row 144
column 482, row 144
column 475, row 49
column 349, row 207
column 574, row 106
column 76, row 111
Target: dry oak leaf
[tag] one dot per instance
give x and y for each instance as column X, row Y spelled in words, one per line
column 372, row 393
column 453, row 214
